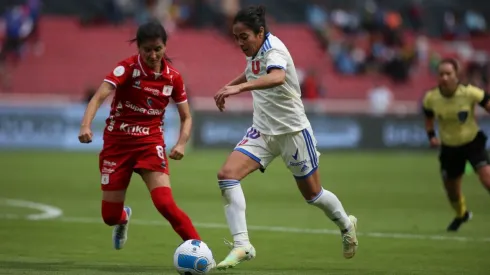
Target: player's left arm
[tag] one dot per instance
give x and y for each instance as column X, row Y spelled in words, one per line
column 485, row 102
column 481, row 97
column 274, row 77
column 180, row 97
column 185, row 123
column 276, row 63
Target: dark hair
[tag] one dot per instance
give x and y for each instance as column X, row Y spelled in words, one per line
column 252, row 17
column 451, row 61
column 149, row 31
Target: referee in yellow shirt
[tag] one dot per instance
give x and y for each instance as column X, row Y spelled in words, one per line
column 452, row 105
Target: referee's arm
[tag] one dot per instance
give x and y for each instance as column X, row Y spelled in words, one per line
column 485, row 102
column 429, row 118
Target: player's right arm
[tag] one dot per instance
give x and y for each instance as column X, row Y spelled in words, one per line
column 430, row 121
column 238, row 80
column 116, row 78
column 105, row 89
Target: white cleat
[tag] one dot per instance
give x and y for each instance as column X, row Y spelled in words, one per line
column 349, row 240
column 120, row 231
column 236, row 256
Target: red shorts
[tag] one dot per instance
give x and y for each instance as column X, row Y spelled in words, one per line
column 117, row 162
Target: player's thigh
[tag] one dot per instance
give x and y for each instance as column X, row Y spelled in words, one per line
column 250, row 154
column 299, row 153
column 154, row 179
column 152, row 165
column 478, row 156
column 452, row 161
column 476, row 152
column 116, row 169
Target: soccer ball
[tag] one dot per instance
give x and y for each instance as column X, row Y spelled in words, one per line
column 193, row 257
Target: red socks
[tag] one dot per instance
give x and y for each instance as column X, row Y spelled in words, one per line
column 165, row 204
column 113, row 213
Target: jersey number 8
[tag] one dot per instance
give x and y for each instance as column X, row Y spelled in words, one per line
column 160, row 152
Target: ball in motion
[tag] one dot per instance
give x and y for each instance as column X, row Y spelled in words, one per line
column 193, row 257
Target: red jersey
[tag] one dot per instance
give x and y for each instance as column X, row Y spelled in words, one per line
column 139, row 103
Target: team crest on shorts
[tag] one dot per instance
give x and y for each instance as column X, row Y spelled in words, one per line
column 104, row 179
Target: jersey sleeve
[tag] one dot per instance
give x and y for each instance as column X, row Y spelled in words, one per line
column 179, row 94
column 479, row 96
column 276, row 59
column 426, row 106
column 119, row 75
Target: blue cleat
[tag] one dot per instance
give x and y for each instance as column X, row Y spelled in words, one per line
column 120, row 232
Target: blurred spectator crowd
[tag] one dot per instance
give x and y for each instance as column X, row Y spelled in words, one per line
column 372, row 39
column 365, row 40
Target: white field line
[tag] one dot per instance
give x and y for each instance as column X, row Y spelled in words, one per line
column 47, row 211
column 54, row 214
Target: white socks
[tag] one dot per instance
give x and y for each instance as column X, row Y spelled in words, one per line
column 235, row 206
column 330, row 204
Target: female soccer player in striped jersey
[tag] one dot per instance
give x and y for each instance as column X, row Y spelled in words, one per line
column 280, row 128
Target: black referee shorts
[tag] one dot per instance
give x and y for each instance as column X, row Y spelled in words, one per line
column 453, row 159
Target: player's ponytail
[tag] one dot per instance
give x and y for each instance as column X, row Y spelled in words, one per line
column 252, row 17
column 261, row 12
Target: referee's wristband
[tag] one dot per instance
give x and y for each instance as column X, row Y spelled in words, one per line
column 431, row 134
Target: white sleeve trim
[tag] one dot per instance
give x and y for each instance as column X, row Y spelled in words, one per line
column 181, row 102
column 111, row 82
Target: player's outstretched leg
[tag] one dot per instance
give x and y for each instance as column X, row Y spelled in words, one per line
column 181, row 223
column 115, row 214
column 236, row 167
column 458, row 203
column 158, row 183
column 314, row 194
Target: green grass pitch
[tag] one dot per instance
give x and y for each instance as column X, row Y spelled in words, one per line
column 397, row 197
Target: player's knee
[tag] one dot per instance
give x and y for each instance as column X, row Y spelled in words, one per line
column 227, row 173
column 484, row 174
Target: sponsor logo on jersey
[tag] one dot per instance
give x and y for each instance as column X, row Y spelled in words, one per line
column 148, row 89
column 151, row 112
column 134, row 130
column 137, row 84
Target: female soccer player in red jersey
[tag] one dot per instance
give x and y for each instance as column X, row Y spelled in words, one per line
column 133, row 137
